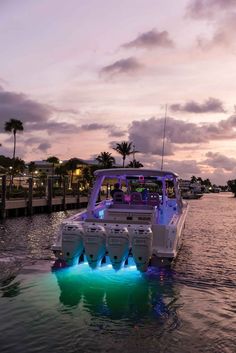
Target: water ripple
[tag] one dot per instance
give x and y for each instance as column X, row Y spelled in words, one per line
column 190, row 307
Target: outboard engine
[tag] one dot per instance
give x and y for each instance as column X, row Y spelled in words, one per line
column 72, row 242
column 117, row 245
column 142, row 246
column 94, row 244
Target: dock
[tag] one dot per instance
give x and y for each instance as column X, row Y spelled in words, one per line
column 29, row 205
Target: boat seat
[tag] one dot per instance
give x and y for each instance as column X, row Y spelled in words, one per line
column 136, row 198
column 120, row 205
column 119, row 197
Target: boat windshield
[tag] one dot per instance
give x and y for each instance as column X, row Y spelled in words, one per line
column 139, row 188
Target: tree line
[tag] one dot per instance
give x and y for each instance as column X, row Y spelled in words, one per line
column 104, row 159
column 16, row 165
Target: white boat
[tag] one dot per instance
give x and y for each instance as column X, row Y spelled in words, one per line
column 189, row 195
column 142, row 223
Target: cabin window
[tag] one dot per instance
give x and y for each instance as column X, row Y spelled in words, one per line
column 136, row 190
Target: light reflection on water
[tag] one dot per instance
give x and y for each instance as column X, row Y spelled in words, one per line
column 124, row 294
column 79, row 303
column 191, row 307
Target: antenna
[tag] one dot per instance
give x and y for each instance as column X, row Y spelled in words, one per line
column 133, row 152
column 163, row 141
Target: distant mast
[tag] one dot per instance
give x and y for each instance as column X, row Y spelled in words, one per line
column 163, row 141
column 133, row 152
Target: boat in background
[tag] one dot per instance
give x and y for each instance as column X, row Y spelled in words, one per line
column 142, row 223
column 189, row 195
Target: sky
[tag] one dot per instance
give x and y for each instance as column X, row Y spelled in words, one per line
column 83, row 75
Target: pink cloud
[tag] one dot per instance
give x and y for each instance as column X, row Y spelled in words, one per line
column 150, row 39
column 211, row 105
column 123, row 66
column 209, row 8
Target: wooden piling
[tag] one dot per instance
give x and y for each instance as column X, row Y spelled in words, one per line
column 49, row 195
column 30, row 198
column 4, row 194
column 78, row 195
column 64, row 195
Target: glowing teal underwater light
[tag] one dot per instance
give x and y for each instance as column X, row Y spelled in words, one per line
column 105, row 272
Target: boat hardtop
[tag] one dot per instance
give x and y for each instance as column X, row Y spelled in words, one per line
column 141, row 220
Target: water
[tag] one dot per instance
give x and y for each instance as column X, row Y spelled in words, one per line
column 188, row 308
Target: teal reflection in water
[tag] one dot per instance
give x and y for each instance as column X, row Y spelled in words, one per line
column 123, row 294
column 74, row 305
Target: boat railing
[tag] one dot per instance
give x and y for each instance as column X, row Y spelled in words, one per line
column 130, row 206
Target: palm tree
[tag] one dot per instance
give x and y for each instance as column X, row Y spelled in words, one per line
column 134, row 164
column 105, row 160
column 54, row 160
column 232, row 185
column 207, row 182
column 5, row 162
column 87, row 176
column 13, row 126
column 61, row 172
column 19, row 166
column 125, row 149
column 32, row 168
column 193, row 179
column 71, row 165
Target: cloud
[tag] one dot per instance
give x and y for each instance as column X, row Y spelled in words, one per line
column 185, row 168
column 222, row 15
column 44, row 146
column 19, row 106
column 211, row 105
column 223, row 168
column 223, row 35
column 34, row 115
column 4, row 82
column 217, row 160
column 113, row 131
column 53, row 127
column 33, row 140
column 150, row 39
column 94, row 126
column 147, row 134
column 124, row 66
column 116, row 132
column 209, row 8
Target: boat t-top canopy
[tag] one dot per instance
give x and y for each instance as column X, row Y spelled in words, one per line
column 119, row 172
column 126, row 174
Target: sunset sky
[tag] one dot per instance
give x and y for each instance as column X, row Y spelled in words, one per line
column 83, row 75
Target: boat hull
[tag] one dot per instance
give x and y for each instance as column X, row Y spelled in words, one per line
column 146, row 227
column 148, row 245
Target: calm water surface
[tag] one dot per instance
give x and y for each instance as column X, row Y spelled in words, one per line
column 188, row 308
